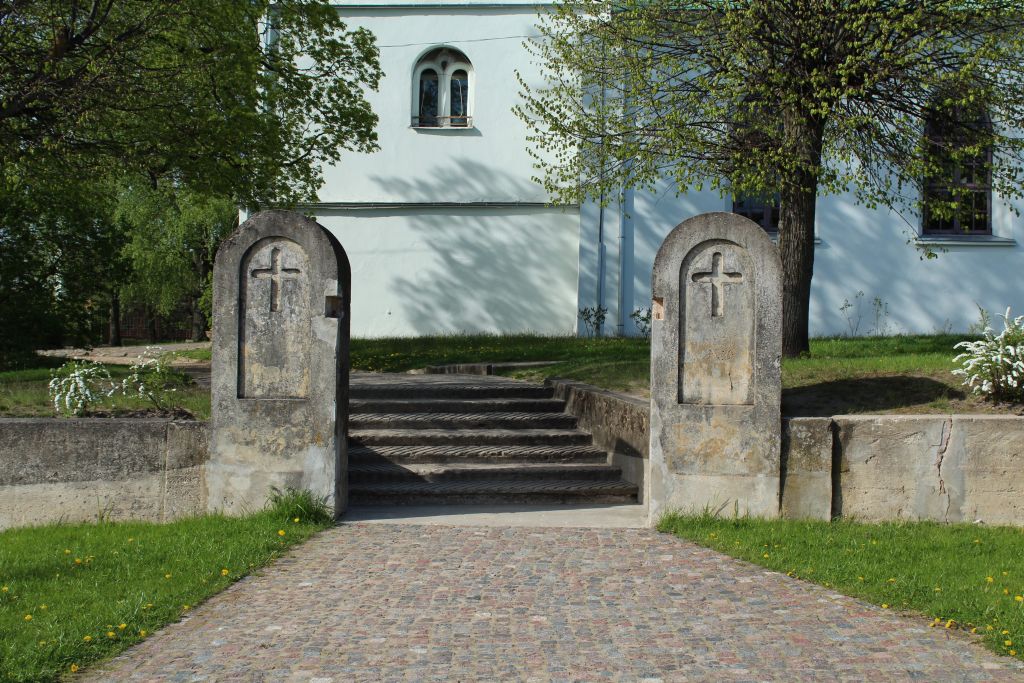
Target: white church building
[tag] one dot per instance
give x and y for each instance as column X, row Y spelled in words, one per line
column 447, row 232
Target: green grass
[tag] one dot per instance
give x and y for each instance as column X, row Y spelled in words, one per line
column 903, row 374
column 92, row 590
column 25, row 393
column 961, row 576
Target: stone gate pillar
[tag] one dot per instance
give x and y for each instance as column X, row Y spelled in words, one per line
column 280, row 364
column 716, row 350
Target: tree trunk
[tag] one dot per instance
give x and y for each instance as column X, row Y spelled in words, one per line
column 115, row 319
column 796, row 230
column 151, row 324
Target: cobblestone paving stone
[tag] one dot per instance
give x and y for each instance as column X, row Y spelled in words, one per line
column 379, row 602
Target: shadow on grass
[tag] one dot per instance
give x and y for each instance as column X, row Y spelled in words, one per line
column 865, row 395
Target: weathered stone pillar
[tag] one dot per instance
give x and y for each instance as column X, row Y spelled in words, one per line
column 716, row 351
column 280, row 364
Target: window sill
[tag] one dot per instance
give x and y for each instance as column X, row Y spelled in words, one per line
column 964, row 241
column 774, row 236
column 446, row 130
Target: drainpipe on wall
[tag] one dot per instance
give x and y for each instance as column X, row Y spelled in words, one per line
column 625, row 259
column 600, row 256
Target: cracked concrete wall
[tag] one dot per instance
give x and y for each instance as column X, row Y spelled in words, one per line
column 81, row 470
column 945, row 468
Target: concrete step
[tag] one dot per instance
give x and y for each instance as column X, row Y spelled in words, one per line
column 447, row 405
column 464, row 437
column 476, row 453
column 461, row 390
column 493, row 492
column 439, row 472
column 462, row 421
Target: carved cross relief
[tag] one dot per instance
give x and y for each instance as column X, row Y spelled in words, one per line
column 277, row 276
column 718, row 280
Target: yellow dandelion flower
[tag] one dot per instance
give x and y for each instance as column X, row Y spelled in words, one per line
column 224, row 572
column 74, row 668
column 765, row 556
column 950, row 623
column 42, row 606
column 1019, row 598
column 1013, row 653
column 149, row 605
column 1006, row 591
column 938, row 590
column 185, row 607
column 122, row 626
column 1004, row 632
column 167, row 576
column 989, row 579
column 974, row 630
column 936, row 620
column 989, row 627
column 860, row 578
column 1007, row 642
column 67, row 551
column 892, row 580
column 885, row 605
column 142, row 633
column 87, row 639
column 4, row 589
column 28, row 617
column 1006, row 573
column 280, row 532
column 296, row 520
column 78, row 560
column 977, row 540
column 111, row 634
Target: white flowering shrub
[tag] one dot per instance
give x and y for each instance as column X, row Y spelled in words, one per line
column 77, row 386
column 151, row 379
column 994, row 366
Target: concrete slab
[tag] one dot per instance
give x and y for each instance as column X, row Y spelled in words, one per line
column 560, row 516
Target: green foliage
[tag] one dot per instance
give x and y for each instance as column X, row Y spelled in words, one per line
column 128, row 129
column 963, row 576
column 300, row 504
column 210, row 93
column 83, row 582
column 791, row 97
column 720, row 93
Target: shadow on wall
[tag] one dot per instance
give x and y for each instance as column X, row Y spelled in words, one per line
column 484, row 269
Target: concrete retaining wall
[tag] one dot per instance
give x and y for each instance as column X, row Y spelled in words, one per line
column 75, row 470
column 620, row 424
column 873, row 468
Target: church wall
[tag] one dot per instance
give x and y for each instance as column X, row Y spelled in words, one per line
column 420, row 271
column 858, row 250
column 487, row 162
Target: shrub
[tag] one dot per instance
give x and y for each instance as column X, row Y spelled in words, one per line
column 77, row 386
column 153, row 380
column 994, row 366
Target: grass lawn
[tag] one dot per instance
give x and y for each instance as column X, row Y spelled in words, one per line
column 903, row 374
column 25, row 393
column 74, row 594
column 961, row 576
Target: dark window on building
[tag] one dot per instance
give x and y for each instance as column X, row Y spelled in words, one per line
column 428, row 98
column 958, row 198
column 765, row 211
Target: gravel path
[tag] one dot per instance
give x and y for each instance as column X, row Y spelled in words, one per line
column 382, row 602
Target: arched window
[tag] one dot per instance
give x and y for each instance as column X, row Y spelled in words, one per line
column 958, row 197
column 443, row 83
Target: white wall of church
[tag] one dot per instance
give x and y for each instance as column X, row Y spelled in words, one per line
column 858, row 250
column 488, row 162
column 430, row 271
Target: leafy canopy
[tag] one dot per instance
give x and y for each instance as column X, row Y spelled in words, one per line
column 239, row 98
column 748, row 95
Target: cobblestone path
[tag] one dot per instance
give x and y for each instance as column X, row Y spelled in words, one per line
column 378, row 602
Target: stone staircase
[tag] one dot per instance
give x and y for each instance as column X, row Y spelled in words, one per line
column 429, row 439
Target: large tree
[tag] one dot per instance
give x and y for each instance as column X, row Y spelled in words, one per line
column 246, row 98
column 794, row 97
column 116, row 108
